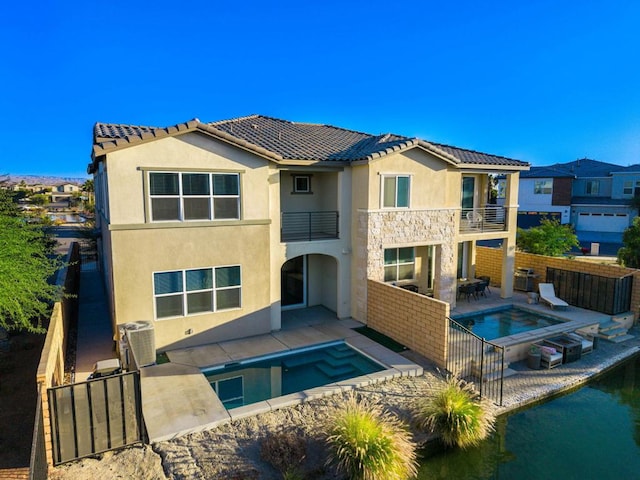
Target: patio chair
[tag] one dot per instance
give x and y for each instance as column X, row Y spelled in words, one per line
column 481, row 288
column 587, row 344
column 486, row 278
column 548, row 296
column 474, row 219
column 469, row 290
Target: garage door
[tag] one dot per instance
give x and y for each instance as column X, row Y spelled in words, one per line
column 602, row 222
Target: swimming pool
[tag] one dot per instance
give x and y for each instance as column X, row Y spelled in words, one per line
column 503, row 322
column 262, row 378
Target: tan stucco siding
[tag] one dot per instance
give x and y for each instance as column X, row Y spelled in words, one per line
column 127, row 169
column 138, row 254
column 433, row 183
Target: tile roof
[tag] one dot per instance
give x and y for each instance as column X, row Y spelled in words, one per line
column 630, row 169
column 283, row 140
column 581, row 168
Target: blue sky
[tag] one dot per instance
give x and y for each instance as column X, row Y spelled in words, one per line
column 540, row 81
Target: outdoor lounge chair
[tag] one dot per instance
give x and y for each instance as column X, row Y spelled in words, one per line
column 587, row 344
column 548, row 295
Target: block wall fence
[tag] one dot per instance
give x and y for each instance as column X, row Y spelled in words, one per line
column 416, row 321
column 489, row 262
column 50, row 371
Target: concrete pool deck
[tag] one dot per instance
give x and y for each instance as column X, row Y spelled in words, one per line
column 177, row 399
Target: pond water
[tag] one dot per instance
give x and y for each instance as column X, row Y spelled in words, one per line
column 593, row 432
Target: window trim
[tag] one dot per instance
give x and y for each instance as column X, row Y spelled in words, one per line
column 589, row 184
column 185, row 293
column 181, row 197
column 295, row 190
column 399, row 264
column 539, row 187
column 383, row 177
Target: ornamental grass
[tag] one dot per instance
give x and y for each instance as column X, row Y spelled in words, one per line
column 456, row 414
column 368, row 443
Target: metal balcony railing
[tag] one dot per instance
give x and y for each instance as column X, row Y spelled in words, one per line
column 307, row 226
column 483, row 219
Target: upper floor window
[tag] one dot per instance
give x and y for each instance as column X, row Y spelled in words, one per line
column 395, row 191
column 627, row 188
column 399, row 264
column 592, row 187
column 188, row 292
column 302, row 184
column 194, row 196
column 541, row 187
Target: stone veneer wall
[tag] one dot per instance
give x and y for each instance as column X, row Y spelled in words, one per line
column 489, row 262
column 416, row 321
column 380, row 229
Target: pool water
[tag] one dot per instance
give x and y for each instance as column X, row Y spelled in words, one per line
column 593, row 432
column 504, row 322
column 255, row 380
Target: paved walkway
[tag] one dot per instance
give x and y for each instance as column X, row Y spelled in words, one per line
column 95, row 338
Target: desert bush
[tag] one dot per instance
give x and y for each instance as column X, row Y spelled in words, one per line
column 368, row 443
column 285, row 451
column 456, row 414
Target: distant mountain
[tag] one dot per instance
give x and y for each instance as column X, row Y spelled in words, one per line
column 42, row 179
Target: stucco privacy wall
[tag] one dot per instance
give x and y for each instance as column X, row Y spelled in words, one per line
column 416, row 321
column 378, row 230
column 489, row 262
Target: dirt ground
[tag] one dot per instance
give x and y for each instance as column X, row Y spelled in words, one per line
column 18, row 398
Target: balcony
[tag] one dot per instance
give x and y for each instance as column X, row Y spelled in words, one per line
column 308, row 226
column 483, row 219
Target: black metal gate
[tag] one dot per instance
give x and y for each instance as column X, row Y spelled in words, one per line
column 601, row 294
column 476, row 360
column 95, row 416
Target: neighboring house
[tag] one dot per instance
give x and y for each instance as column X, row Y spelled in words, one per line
column 594, row 197
column 211, row 230
column 68, row 188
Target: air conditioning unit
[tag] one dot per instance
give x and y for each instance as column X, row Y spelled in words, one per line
column 141, row 343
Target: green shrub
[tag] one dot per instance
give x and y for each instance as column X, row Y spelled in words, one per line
column 456, row 414
column 368, row 443
column 285, row 451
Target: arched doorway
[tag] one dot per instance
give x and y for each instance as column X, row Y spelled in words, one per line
column 293, row 282
column 309, row 280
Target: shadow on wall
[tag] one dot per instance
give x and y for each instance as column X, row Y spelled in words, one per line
column 255, row 323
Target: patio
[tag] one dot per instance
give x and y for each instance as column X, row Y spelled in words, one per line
column 168, row 415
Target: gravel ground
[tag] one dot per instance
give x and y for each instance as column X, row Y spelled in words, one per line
column 232, row 451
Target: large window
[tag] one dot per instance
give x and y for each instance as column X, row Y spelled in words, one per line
column 188, row 292
column 399, row 264
column 543, row 187
column 592, row 187
column 194, row 196
column 395, row 191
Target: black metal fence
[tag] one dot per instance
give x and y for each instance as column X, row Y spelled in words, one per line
column 95, row 416
column 601, row 294
column 476, row 360
column 305, row 226
column 38, row 467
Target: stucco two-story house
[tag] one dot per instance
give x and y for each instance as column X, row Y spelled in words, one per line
column 212, row 230
column 594, row 197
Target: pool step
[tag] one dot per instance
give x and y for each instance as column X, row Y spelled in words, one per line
column 341, row 353
column 300, row 361
column 335, row 371
column 613, row 331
